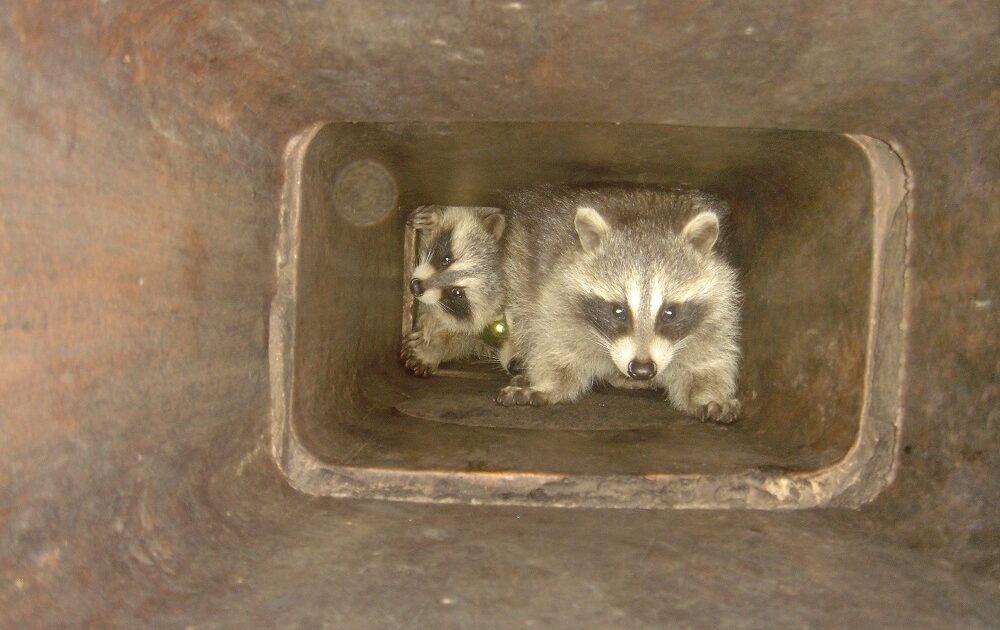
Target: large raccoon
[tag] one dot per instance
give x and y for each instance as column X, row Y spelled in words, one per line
column 620, row 284
column 457, row 283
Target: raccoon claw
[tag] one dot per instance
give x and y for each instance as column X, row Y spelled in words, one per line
column 408, row 356
column 417, row 368
column 727, row 412
column 423, row 218
column 514, row 395
column 414, row 365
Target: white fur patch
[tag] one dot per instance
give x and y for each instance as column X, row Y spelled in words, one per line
column 661, row 351
column 430, row 296
column 505, row 354
column 656, row 299
column 458, row 238
column 460, row 266
column 635, row 299
column 464, row 223
column 423, row 271
column 622, row 353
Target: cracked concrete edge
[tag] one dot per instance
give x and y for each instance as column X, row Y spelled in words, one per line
column 281, row 338
column 865, row 470
column 870, row 464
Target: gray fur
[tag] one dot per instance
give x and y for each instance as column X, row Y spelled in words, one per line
column 565, row 247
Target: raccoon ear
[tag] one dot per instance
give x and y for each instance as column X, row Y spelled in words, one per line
column 702, row 231
column 495, row 222
column 591, row 228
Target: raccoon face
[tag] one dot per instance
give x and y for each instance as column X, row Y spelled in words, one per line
column 641, row 334
column 458, row 271
column 645, row 296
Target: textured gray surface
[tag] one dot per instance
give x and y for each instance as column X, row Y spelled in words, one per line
column 254, row 553
column 356, row 565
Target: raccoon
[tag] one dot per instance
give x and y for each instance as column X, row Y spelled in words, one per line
column 620, row 284
column 457, row 283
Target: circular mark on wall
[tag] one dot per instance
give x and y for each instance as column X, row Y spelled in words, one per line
column 364, row 192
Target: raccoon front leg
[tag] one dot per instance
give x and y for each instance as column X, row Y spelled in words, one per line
column 413, row 354
column 509, row 359
column 520, row 392
column 555, row 386
column 424, row 350
column 706, row 393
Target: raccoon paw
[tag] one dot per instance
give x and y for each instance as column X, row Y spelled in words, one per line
column 423, row 218
column 409, row 355
column 515, row 395
column 726, row 412
column 416, row 367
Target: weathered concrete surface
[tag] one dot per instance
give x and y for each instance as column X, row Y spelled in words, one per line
column 354, row 565
column 139, row 182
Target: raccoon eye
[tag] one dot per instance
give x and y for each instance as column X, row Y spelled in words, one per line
column 619, row 311
column 457, row 292
column 669, row 313
column 446, row 260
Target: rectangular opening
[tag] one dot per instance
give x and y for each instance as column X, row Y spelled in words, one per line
column 804, row 232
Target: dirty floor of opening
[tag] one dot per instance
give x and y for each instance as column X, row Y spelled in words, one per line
column 353, row 564
column 453, row 424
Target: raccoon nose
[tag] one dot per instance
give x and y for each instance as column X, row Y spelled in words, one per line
column 641, row 370
column 416, row 287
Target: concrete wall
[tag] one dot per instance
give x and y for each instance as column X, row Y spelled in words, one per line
column 139, row 187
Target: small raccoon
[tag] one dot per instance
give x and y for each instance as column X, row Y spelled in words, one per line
column 620, row 284
column 457, row 283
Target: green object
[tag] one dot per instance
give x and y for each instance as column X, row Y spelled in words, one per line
column 495, row 333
